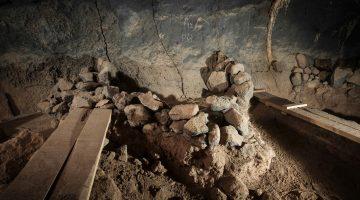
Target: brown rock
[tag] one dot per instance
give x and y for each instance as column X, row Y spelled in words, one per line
column 178, row 126
column 67, row 96
column 240, row 121
column 214, row 136
column 217, row 81
column 102, row 103
column 87, row 76
column 60, row 108
column 64, row 84
column 245, row 90
column 81, row 102
column 163, row 116
column 241, row 78
column 121, row 100
column 184, row 111
column 87, row 85
column 233, row 187
column 235, row 69
column 197, row 125
column 150, row 101
column 45, row 107
column 302, row 60
column 136, row 114
column 323, row 64
column 230, row 136
column 219, row 103
column 4, row 107
column 110, row 91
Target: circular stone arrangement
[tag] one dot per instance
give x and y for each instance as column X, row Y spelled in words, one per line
column 207, row 143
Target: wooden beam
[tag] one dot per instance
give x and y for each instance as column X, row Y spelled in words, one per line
column 76, row 180
column 350, row 130
column 294, row 105
column 36, row 178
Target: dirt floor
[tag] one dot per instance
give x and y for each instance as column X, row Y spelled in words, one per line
column 302, row 168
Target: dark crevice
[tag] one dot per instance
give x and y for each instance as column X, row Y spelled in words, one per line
column 102, row 31
column 166, row 51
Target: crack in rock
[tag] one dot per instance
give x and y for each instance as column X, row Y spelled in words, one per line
column 102, row 31
column 166, row 51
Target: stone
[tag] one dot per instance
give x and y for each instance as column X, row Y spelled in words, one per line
column 221, row 66
column 323, row 64
column 99, row 90
column 121, row 100
column 60, row 108
column 158, row 168
column 163, row 116
column 110, row 91
column 219, row 103
column 315, row 71
column 244, row 91
column 214, row 136
column 150, row 101
column 105, row 187
column 230, row 136
column 305, row 77
column 85, row 70
column 296, row 79
column 123, row 153
column 241, row 78
column 307, row 70
column 233, row 187
column 297, row 89
column 313, row 84
column 87, row 86
column 183, row 111
column 339, row 76
column 354, row 92
column 44, row 107
column 238, row 120
column 324, row 75
column 216, row 194
column 178, row 126
column 81, row 102
column 235, row 69
column 197, row 125
column 199, row 141
column 217, row 81
column 297, row 70
column 104, row 76
column 67, row 96
column 54, row 123
column 5, row 107
column 102, row 103
column 137, row 114
column 355, row 78
column 65, row 84
column 301, row 60
column 87, row 77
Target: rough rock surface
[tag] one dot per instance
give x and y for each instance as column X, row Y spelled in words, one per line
column 150, row 101
column 136, row 114
column 217, row 82
column 197, row 124
column 185, row 111
column 230, row 136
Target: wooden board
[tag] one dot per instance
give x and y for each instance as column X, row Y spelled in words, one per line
column 295, row 105
column 350, row 130
column 36, row 178
column 76, row 180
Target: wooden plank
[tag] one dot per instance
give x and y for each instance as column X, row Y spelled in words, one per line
column 76, row 180
column 259, row 90
column 329, row 122
column 36, row 178
column 294, row 105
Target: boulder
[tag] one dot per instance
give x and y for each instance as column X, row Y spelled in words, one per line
column 323, row 64
column 65, row 84
column 301, row 60
column 110, row 91
column 105, row 187
column 241, row 78
column 355, row 78
column 244, row 91
column 339, row 76
column 81, row 102
column 150, row 101
column 214, row 136
column 197, row 125
column 87, row 76
column 184, row 111
column 233, row 187
column 87, row 86
column 296, row 79
column 217, row 81
column 230, row 136
column 163, row 116
column 235, row 69
column 121, row 100
column 178, row 126
column 136, row 114
column 238, row 120
column 219, row 103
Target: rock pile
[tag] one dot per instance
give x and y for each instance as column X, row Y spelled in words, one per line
column 201, row 140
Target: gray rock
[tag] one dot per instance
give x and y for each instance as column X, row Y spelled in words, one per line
column 184, row 111
column 339, row 76
column 230, row 136
column 214, row 136
column 238, row 120
column 219, row 103
column 301, row 60
column 81, row 102
column 296, row 79
column 123, row 153
column 150, row 101
column 355, row 78
column 85, row 70
column 199, row 141
column 163, row 116
column 87, row 86
column 197, row 125
column 178, row 126
column 241, row 78
column 65, row 84
column 87, row 77
column 137, row 114
column 217, row 81
column 110, row 91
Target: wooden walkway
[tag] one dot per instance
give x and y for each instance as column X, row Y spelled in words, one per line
column 345, row 128
column 66, row 163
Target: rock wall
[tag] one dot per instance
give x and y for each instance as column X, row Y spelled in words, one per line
column 163, row 44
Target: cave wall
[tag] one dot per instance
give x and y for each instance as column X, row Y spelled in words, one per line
column 163, row 44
